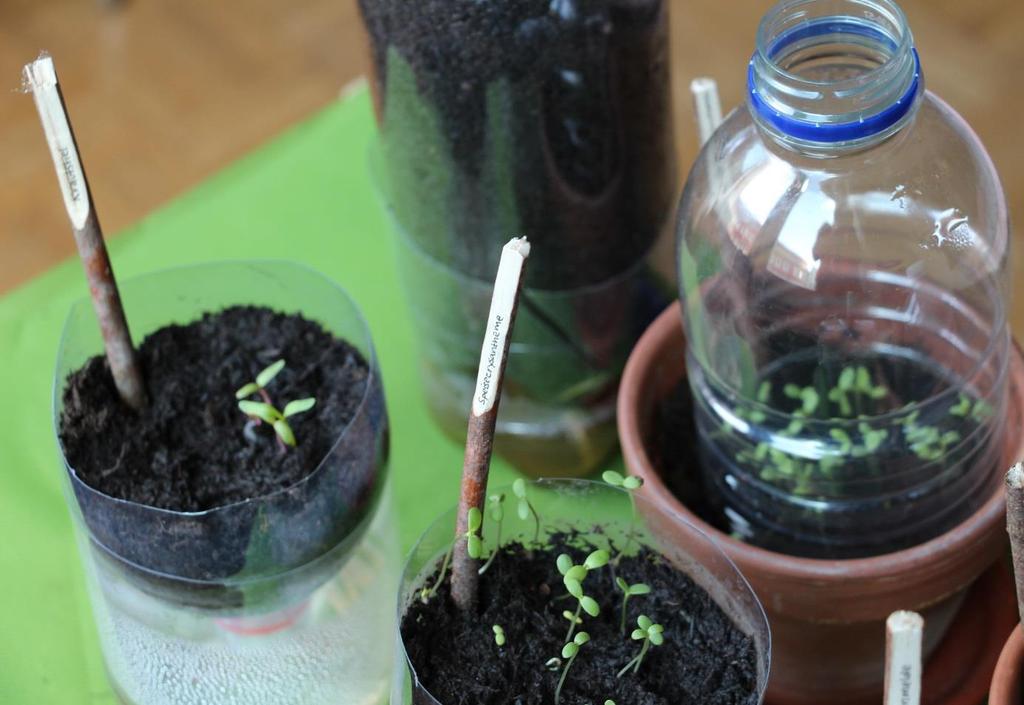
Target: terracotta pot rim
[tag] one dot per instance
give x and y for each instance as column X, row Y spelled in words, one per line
column 889, row 567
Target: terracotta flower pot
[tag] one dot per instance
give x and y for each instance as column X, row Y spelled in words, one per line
column 827, row 616
column 1006, row 681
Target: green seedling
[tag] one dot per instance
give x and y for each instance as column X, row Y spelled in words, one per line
column 265, row 411
column 630, row 483
column 474, row 545
column 570, row 651
column 854, row 382
column 977, row 410
column 928, row 442
column 499, row 635
column 629, row 591
column 260, row 385
column 981, row 411
column 277, row 419
column 496, row 508
column 573, row 577
column 962, row 406
column 807, row 396
column 615, row 479
column 573, row 618
column 650, row 633
column 524, row 507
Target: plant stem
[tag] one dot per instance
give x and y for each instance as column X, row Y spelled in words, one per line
column 627, row 667
column 536, row 522
column 629, row 529
column 444, row 570
column 635, row 662
column 497, row 546
column 1015, row 527
column 574, row 622
column 484, row 415
column 561, row 681
column 625, row 601
column 640, row 656
column 41, row 78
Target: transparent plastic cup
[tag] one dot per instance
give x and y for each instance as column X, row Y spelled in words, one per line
column 602, row 515
column 268, row 600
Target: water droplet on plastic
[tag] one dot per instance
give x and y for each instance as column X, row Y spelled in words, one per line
column 951, row 229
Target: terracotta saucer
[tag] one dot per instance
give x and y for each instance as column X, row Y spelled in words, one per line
column 960, row 670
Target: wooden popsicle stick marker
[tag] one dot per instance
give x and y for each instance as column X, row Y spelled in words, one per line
column 1015, row 528
column 40, row 78
column 486, row 398
column 903, row 634
column 707, row 107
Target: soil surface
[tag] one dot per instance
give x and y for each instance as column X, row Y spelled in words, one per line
column 190, row 449
column 705, row 659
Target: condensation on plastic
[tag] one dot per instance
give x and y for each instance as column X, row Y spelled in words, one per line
column 211, row 600
column 581, row 505
column 889, row 248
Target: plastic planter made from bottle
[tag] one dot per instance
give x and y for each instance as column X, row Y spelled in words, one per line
column 602, row 516
column 545, row 120
column 842, row 249
column 267, row 600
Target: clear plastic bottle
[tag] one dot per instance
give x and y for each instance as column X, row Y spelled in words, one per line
column 549, row 119
column 842, row 248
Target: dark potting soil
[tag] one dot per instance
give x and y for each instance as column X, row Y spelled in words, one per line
column 705, row 659
column 704, row 472
column 190, row 450
column 554, row 122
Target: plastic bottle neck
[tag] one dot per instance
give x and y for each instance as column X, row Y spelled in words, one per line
column 832, row 76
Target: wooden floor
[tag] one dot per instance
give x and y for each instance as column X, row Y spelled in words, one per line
column 164, row 92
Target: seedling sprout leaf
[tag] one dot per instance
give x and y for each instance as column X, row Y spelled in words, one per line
column 264, row 378
column 247, row 390
column 519, row 488
column 597, row 559
column 299, row 406
column 577, row 572
column 590, row 606
column 284, row 432
column 258, row 409
column 612, row 478
column 573, row 586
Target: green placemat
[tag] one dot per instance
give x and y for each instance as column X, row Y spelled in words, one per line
column 305, row 196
